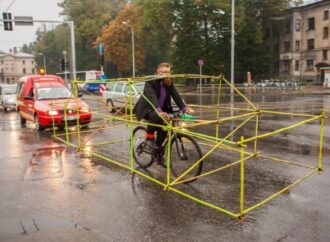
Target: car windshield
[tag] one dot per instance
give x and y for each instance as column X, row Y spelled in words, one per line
column 53, row 93
column 139, row 87
column 8, row 90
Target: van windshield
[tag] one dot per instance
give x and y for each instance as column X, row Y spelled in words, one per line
column 9, row 90
column 53, row 93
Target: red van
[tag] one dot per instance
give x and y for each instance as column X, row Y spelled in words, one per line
column 42, row 99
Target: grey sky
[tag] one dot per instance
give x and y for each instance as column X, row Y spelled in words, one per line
column 38, row 9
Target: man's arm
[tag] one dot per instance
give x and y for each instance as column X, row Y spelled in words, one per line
column 150, row 93
column 177, row 98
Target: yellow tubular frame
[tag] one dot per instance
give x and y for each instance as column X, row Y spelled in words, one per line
column 246, row 147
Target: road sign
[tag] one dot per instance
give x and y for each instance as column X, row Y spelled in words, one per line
column 100, row 48
column 200, row 62
column 23, row 20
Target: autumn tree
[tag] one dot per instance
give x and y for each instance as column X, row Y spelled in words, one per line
column 89, row 17
column 116, row 38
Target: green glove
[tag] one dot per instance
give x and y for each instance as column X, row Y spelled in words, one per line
column 186, row 116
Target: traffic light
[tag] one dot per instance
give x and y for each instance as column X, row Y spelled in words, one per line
column 7, row 21
column 101, row 58
column 62, row 64
column 101, row 53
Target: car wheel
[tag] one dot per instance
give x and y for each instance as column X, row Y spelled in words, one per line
column 37, row 124
column 110, row 106
column 23, row 120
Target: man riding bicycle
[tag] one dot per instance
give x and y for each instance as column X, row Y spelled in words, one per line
column 158, row 92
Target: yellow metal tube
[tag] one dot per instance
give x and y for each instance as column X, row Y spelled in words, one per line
column 319, row 163
column 130, row 81
column 282, row 129
column 242, row 171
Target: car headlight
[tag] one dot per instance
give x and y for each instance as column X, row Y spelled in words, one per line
column 52, row 112
column 85, row 110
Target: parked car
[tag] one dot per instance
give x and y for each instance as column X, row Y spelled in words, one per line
column 44, row 99
column 8, row 97
column 117, row 95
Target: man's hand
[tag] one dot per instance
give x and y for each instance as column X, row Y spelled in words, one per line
column 164, row 115
column 189, row 110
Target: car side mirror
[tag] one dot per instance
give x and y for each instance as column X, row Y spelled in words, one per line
column 28, row 98
column 80, row 94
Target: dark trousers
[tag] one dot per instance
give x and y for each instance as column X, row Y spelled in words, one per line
column 153, row 117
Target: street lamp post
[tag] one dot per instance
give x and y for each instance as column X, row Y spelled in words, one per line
column 64, row 54
column 44, row 61
column 133, row 45
column 232, row 45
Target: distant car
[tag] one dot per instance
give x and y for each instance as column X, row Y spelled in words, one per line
column 44, row 99
column 117, row 95
column 8, row 97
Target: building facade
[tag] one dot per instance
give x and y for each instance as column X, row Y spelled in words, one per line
column 15, row 64
column 300, row 42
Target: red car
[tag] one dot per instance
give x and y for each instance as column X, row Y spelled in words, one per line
column 44, row 99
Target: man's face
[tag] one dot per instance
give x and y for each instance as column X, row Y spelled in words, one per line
column 165, row 72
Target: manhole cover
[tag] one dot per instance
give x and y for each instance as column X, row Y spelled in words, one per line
column 45, row 163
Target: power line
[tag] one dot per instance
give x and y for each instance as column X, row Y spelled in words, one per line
column 12, row 2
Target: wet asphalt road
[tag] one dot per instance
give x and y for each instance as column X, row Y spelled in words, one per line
column 49, row 192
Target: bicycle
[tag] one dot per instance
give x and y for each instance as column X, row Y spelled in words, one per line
column 185, row 151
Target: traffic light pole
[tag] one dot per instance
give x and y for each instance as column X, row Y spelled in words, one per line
column 72, row 38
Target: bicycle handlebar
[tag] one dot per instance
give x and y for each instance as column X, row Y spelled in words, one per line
column 181, row 115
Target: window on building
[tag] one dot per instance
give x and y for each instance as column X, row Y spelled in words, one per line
column 297, row 45
column 287, row 27
column 296, row 67
column 24, row 70
column 310, row 44
column 309, row 65
column 325, row 54
column 298, row 25
column 286, row 46
column 311, row 23
column 32, row 62
column 275, row 32
column 286, row 65
column 1, row 61
column 326, row 15
column 1, row 70
column 33, row 70
column 325, row 32
column 23, row 62
column 276, row 48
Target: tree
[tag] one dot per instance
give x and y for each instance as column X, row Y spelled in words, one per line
column 116, row 38
column 51, row 44
column 89, row 16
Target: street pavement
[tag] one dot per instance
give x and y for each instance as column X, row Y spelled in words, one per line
column 51, row 192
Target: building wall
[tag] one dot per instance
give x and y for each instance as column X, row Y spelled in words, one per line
column 14, row 65
column 293, row 27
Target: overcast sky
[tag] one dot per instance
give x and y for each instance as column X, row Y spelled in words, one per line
column 38, row 9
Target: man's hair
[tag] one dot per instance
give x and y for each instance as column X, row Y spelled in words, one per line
column 164, row 64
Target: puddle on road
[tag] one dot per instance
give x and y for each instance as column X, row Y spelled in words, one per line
column 46, row 163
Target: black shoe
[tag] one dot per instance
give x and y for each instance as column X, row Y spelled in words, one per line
column 162, row 162
column 151, row 144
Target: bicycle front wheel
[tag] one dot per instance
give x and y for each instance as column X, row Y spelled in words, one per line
column 185, row 152
column 142, row 154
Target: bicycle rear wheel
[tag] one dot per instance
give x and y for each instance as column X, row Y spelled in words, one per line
column 142, row 154
column 185, row 151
